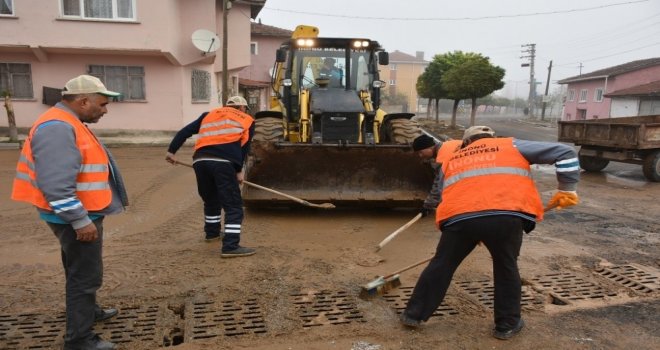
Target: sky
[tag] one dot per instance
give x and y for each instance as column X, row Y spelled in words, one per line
column 578, row 36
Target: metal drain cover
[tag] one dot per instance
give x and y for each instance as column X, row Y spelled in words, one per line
column 209, row 319
column 640, row 279
column 569, row 287
column 399, row 297
column 484, row 292
column 31, row 331
column 318, row 308
column 37, row 331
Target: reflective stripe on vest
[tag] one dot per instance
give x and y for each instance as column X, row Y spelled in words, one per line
column 488, row 175
column 92, row 188
column 224, row 125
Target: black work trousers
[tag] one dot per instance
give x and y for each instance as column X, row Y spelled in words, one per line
column 219, row 189
column 502, row 236
column 83, row 270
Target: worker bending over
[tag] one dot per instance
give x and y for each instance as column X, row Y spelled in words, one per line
column 488, row 195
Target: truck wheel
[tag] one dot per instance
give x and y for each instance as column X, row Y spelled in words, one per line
column 404, row 131
column 594, row 164
column 651, row 167
column 268, row 129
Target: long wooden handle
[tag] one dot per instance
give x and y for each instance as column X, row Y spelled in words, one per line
column 399, row 230
column 295, row 199
column 407, row 268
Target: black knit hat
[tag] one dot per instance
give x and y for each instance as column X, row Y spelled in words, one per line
column 422, row 142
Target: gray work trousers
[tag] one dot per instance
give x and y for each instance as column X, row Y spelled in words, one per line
column 83, row 270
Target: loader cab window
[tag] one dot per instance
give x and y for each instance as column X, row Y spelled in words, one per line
column 363, row 78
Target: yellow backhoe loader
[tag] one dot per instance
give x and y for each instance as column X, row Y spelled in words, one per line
column 325, row 137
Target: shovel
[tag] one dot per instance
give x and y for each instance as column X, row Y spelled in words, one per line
column 295, row 199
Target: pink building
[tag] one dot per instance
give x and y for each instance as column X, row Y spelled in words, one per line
column 255, row 79
column 142, row 48
column 589, row 95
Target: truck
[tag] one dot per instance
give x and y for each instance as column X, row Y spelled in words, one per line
column 325, row 137
column 634, row 140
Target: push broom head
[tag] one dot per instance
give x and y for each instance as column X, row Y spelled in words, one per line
column 379, row 286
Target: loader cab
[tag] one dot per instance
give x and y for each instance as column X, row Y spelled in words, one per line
column 327, row 63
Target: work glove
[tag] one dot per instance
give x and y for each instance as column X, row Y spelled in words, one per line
column 563, row 199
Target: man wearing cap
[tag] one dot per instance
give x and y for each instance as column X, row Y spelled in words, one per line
column 74, row 182
column 223, row 143
column 488, row 196
column 427, row 149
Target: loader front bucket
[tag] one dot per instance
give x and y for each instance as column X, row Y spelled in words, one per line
column 346, row 175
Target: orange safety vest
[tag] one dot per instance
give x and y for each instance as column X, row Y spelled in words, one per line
column 92, row 187
column 488, row 174
column 446, row 149
column 224, row 125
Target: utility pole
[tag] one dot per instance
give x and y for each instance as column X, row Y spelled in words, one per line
column 545, row 96
column 580, row 67
column 531, row 54
column 226, row 5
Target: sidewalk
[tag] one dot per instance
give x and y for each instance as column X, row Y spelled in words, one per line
column 124, row 139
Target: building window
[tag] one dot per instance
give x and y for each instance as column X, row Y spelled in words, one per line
column 16, row 78
column 128, row 80
column 571, row 95
column 583, row 95
column 122, row 10
column 598, row 96
column 6, row 7
column 201, row 86
column 393, row 66
column 254, row 48
column 392, row 82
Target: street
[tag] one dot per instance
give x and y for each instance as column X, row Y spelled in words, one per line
column 591, row 272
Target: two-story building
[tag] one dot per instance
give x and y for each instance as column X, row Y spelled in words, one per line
column 144, row 49
column 255, row 80
column 589, row 96
column 401, row 77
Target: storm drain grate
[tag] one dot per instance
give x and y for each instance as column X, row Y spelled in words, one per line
column 632, row 277
column 209, row 319
column 326, row 307
column 484, row 292
column 31, row 331
column 139, row 323
column 399, row 297
column 36, row 331
column 570, row 287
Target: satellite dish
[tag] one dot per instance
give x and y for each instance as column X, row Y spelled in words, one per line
column 205, row 40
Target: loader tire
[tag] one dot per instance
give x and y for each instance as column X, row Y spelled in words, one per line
column 268, row 129
column 651, row 166
column 404, row 131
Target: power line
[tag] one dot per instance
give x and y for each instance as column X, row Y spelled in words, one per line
column 614, row 54
column 457, row 18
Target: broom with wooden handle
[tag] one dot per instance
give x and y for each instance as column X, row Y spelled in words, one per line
column 295, row 199
column 384, row 283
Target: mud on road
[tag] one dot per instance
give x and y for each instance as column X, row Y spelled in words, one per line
column 591, row 273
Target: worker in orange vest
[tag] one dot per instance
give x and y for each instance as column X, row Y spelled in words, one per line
column 72, row 179
column 224, row 140
column 488, row 195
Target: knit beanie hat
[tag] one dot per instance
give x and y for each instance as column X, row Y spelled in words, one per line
column 422, row 141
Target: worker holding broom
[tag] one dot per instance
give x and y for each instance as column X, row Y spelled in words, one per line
column 220, row 150
column 488, row 195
